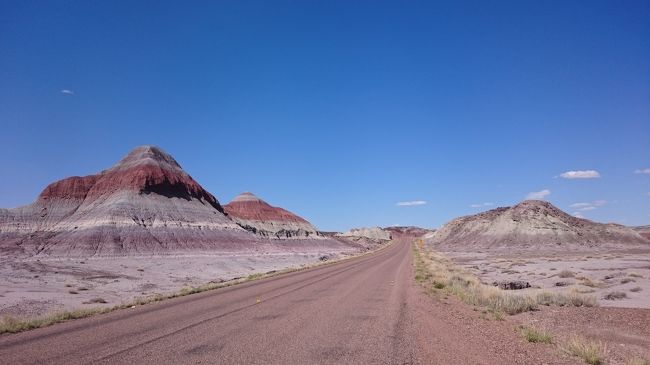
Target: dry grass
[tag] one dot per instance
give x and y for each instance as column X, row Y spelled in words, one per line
column 591, row 352
column 434, row 270
column 635, row 275
column 536, row 335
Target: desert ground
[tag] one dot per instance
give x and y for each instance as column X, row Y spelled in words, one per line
column 33, row 287
column 617, row 278
column 619, row 281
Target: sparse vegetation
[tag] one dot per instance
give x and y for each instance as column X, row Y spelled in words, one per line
column 635, row 275
column 536, row 335
column 73, row 292
column 591, row 352
column 96, row 300
column 627, row 280
column 636, row 289
column 436, row 271
column 615, row 295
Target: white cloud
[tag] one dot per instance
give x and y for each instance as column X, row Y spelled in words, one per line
column 642, row 171
column 538, row 195
column 487, row 204
column 67, row 92
column 588, row 206
column 579, row 205
column 580, row 174
column 411, row 203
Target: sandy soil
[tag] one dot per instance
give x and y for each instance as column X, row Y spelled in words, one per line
column 625, row 273
column 32, row 287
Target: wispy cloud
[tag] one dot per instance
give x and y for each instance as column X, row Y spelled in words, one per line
column 411, row 203
column 642, row 171
column 479, row 205
column 67, row 92
column 538, row 195
column 588, row 206
column 580, row 174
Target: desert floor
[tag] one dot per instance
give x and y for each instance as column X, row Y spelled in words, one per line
column 617, row 279
column 33, row 287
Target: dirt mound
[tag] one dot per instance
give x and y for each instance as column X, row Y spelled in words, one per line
column 259, row 217
column 530, row 224
column 145, row 203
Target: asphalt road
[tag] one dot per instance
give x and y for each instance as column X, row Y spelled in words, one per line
column 350, row 312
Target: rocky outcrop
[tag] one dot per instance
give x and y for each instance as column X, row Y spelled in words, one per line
column 257, row 216
column 531, row 224
column 145, row 203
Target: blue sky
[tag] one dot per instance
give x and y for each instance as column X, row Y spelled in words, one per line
column 338, row 110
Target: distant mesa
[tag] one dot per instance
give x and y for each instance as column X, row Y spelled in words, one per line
column 531, row 224
column 145, row 203
column 257, row 216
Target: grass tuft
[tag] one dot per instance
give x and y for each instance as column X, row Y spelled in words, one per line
column 535, row 335
column 591, row 352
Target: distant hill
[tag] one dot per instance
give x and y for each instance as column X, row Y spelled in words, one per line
column 530, row 224
column 257, row 216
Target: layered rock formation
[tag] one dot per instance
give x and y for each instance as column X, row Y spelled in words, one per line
column 257, row 216
column 530, row 224
column 146, row 203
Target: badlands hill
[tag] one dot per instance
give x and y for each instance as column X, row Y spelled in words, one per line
column 531, row 224
column 257, row 216
column 145, row 203
column 372, row 233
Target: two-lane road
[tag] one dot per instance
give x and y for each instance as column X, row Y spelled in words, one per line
column 350, row 312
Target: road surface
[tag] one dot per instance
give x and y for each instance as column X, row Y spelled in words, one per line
column 366, row 310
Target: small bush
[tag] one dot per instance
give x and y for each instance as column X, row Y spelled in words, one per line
column 97, row 300
column 536, row 335
column 636, row 289
column 438, row 285
column 635, row 275
column 73, row 292
column 591, row 351
column 566, row 274
column 627, row 280
column 615, row 295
